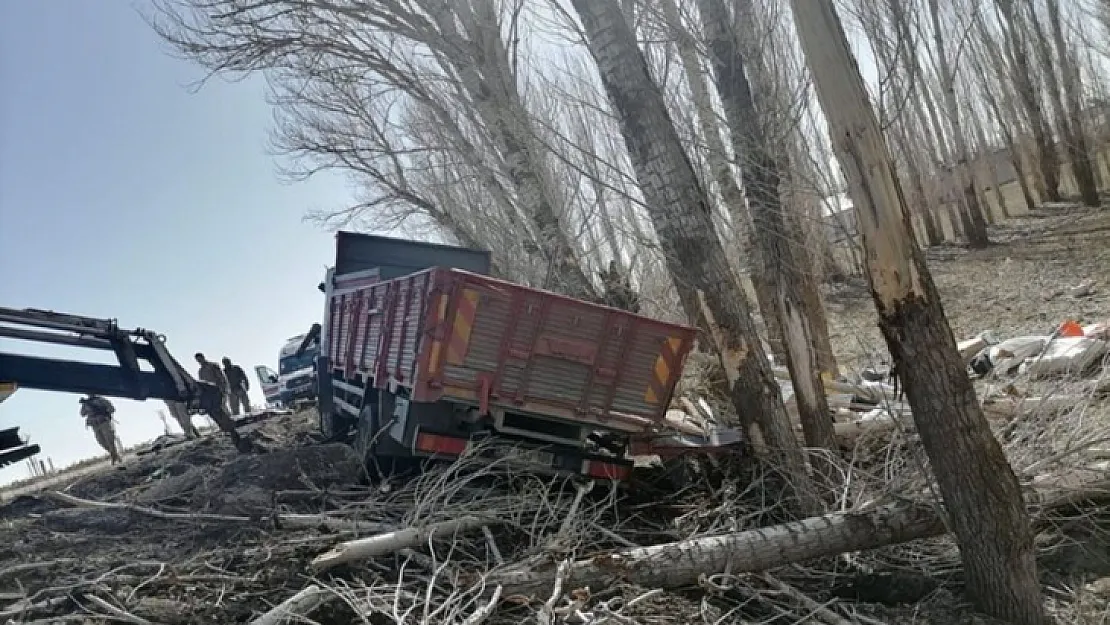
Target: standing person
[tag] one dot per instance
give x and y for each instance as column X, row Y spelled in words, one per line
column 238, row 385
column 181, row 414
column 98, row 416
column 210, row 372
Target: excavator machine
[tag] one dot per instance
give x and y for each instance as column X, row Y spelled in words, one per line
column 164, row 378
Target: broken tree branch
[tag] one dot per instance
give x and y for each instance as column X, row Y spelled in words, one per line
column 292, row 521
column 382, row 544
column 294, row 608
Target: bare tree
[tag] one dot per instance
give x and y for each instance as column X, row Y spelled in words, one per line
column 1022, row 74
column 982, row 495
column 1072, row 110
column 975, row 228
column 331, row 67
column 783, row 260
column 681, row 214
column 990, row 62
column 900, row 71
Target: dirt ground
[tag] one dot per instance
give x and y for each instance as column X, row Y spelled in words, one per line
column 1017, row 286
column 199, row 533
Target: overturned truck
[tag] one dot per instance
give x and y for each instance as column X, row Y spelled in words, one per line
column 424, row 355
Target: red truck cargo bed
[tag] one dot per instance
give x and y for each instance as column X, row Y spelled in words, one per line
column 454, row 335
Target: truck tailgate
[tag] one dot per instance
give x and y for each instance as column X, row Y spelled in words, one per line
column 497, row 344
column 376, row 326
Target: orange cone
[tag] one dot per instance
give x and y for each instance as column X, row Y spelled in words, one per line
column 1070, row 328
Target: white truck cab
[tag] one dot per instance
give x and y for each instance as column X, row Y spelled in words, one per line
column 295, row 379
column 297, row 374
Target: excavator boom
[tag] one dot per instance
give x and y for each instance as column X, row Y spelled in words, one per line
column 168, row 380
column 163, row 379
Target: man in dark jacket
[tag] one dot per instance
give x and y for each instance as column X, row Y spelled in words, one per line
column 98, row 416
column 238, row 385
column 210, row 372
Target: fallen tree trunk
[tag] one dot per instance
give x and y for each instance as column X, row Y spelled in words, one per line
column 680, row 563
column 677, row 564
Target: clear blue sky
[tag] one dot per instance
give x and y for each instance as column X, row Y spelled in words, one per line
column 124, row 195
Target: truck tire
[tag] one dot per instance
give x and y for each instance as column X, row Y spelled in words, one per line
column 332, row 426
column 365, row 429
column 370, row 440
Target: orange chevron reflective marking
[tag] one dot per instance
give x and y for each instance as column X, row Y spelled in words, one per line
column 462, row 326
column 437, row 345
column 661, row 372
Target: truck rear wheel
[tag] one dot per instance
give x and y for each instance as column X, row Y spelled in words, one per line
column 365, row 432
column 333, row 426
column 374, row 446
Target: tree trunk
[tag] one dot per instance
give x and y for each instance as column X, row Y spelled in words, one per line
column 980, row 491
column 707, row 121
column 1051, row 83
column 682, row 216
column 822, row 256
column 933, row 235
column 957, row 218
column 1030, row 99
column 487, row 77
column 682, row 563
column 778, row 244
column 1006, row 105
column 751, row 260
column 927, row 121
column 975, row 229
column 678, row 564
column 1081, row 167
column 901, row 128
column 985, row 149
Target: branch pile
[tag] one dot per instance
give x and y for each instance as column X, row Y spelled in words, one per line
column 472, row 544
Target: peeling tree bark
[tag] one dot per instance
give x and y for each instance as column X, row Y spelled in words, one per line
column 778, row 244
column 980, row 490
column 682, row 216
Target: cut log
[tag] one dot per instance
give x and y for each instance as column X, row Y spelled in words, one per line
column 677, row 564
column 384, row 544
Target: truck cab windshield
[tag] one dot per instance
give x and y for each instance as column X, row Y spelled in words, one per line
column 289, row 364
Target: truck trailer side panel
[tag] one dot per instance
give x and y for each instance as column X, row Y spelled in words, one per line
column 447, row 334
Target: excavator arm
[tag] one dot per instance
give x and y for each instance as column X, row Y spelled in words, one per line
column 162, row 378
